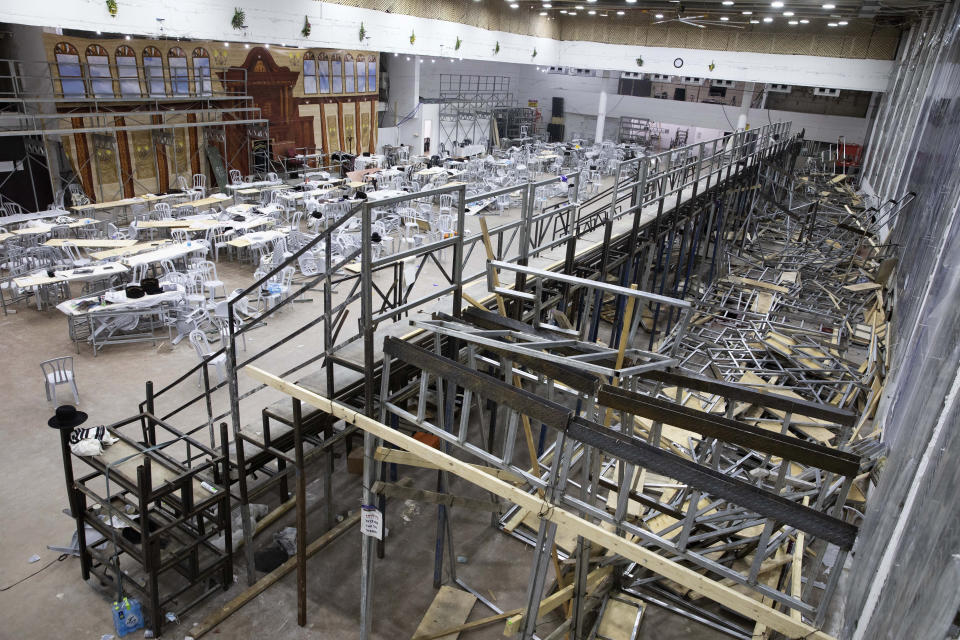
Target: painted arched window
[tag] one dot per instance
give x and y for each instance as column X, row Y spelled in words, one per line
column 201, row 71
column 153, row 72
column 323, row 73
column 309, row 73
column 68, row 68
column 98, row 66
column 372, row 73
column 336, row 73
column 127, row 72
column 179, row 76
column 361, row 74
column 349, row 74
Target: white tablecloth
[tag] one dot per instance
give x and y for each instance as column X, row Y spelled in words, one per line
column 167, row 252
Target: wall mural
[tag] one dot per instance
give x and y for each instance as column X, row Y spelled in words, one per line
column 290, row 86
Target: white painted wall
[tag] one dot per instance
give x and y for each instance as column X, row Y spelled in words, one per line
column 337, row 26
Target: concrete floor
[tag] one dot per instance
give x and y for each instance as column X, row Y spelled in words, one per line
column 111, row 385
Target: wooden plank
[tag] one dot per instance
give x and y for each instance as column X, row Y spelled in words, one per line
column 863, row 286
column 647, row 558
column 449, row 608
column 271, row 578
column 398, row 456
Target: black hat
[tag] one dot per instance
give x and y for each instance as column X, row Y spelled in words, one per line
column 133, row 291
column 67, row 417
column 151, row 286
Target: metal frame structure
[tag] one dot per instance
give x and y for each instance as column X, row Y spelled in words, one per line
column 467, row 104
column 666, row 223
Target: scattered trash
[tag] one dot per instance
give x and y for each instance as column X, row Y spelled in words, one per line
column 287, row 539
column 33, row 558
column 461, row 559
column 59, row 596
column 148, row 633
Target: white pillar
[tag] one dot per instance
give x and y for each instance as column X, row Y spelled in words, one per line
column 601, row 116
column 745, row 106
column 416, row 124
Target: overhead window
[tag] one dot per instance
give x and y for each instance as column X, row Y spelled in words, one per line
column 336, row 74
column 179, row 76
column 127, row 72
column 98, row 64
column 361, row 74
column 372, row 75
column 309, row 73
column 201, row 72
column 153, row 72
column 323, row 73
column 349, row 71
column 68, row 68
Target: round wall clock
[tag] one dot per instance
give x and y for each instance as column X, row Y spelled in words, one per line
column 677, row 63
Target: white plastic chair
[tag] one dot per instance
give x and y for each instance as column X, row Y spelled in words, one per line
column 199, row 341
column 56, row 372
column 73, row 254
column 208, row 276
column 200, row 184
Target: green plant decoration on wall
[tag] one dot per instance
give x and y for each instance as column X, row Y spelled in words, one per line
column 456, row 47
column 413, row 37
column 363, row 33
column 239, row 19
column 112, row 8
column 305, row 32
column 534, row 53
column 711, row 66
column 496, row 48
column 639, row 62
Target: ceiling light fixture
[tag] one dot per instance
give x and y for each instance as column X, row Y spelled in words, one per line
column 127, row 37
column 746, row 13
column 727, row 3
column 592, row 13
column 267, row 46
column 543, row 13
column 754, row 22
column 631, row 1
column 620, row 13
column 832, row 24
column 768, row 19
column 563, row 10
column 788, row 14
column 98, row 32
column 842, row 23
column 246, row 46
column 395, row 54
column 777, row 4
column 579, row 7
column 793, row 22
column 227, row 45
column 514, row 6
column 724, row 18
column 658, row 16
column 829, row 6
column 547, row 5
column 571, row 13
column 804, row 21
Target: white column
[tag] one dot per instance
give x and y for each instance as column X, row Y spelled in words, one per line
column 745, row 106
column 601, row 116
column 416, row 125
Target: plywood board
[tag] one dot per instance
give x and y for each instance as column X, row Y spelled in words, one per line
column 449, row 608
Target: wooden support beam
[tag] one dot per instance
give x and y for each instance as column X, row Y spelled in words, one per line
column 271, row 578
column 399, row 456
column 729, row 598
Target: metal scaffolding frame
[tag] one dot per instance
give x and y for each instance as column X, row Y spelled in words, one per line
column 467, row 104
column 683, row 206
